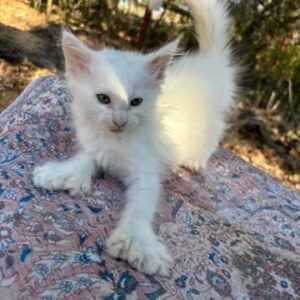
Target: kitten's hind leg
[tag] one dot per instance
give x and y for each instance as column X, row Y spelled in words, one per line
column 192, row 166
column 74, row 174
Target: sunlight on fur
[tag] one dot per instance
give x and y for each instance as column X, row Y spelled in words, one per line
column 137, row 115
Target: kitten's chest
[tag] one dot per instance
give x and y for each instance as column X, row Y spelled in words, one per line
column 114, row 156
column 125, row 159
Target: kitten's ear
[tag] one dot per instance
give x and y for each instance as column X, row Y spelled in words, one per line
column 77, row 55
column 160, row 59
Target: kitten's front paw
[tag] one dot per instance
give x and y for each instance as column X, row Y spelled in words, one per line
column 58, row 176
column 142, row 250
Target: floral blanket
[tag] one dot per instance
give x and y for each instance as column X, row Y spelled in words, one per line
column 233, row 231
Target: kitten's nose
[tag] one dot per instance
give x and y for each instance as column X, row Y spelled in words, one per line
column 120, row 123
column 120, row 118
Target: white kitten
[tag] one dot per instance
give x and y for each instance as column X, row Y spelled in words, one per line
column 137, row 115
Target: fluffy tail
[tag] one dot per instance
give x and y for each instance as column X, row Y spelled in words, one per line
column 199, row 89
column 212, row 23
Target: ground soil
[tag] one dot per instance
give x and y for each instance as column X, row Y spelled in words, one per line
column 258, row 136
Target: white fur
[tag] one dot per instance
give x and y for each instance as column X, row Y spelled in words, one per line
column 179, row 122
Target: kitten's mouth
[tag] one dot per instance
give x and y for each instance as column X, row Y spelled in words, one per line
column 116, row 129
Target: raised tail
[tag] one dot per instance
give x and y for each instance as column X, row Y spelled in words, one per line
column 212, row 24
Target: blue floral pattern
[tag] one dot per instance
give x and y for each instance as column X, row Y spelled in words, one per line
column 233, row 231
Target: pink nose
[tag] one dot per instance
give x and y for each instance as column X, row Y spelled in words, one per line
column 120, row 123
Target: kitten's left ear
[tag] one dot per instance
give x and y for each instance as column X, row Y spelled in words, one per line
column 160, row 59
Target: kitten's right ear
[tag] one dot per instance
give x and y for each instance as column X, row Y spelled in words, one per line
column 77, row 55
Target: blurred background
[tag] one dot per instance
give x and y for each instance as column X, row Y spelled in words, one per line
column 265, row 124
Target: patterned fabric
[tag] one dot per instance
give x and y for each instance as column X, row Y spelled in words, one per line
column 233, row 231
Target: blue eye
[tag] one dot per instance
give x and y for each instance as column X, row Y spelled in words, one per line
column 136, row 101
column 102, row 98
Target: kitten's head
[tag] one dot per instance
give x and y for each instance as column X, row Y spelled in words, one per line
column 117, row 90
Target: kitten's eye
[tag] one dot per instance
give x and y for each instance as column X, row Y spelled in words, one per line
column 104, row 99
column 136, row 101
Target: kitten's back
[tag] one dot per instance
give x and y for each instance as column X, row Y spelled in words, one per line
column 199, row 88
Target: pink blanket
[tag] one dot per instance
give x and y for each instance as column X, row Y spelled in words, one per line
column 233, row 231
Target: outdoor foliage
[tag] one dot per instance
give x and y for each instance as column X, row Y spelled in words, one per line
column 268, row 37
